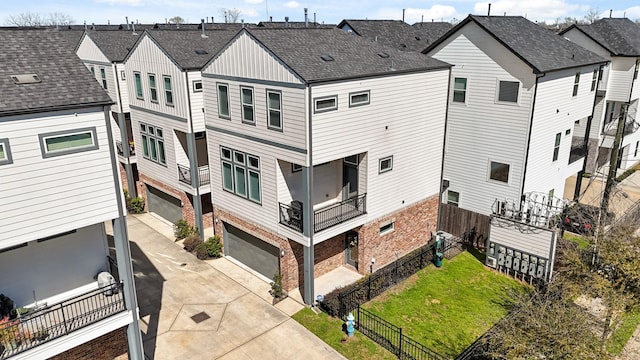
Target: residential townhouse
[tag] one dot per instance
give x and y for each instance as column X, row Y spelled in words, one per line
column 518, row 94
column 397, row 33
column 59, row 186
column 617, row 40
column 325, row 150
column 164, row 83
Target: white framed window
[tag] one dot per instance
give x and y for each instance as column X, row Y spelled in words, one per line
column 153, row 143
column 387, row 228
column 325, row 103
column 123, row 77
column 197, row 86
column 68, row 142
column 274, row 109
column 223, row 101
column 556, row 146
column 5, row 152
column 460, row 90
column 246, row 98
column 508, row 91
column 385, row 164
column 295, row 167
column 168, row 90
column 103, row 78
column 576, row 84
column 241, row 174
column 453, row 198
column 594, row 80
column 153, row 87
column 93, row 70
column 499, row 172
column 359, row 98
column 138, row 79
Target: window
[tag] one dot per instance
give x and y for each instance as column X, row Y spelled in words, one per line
column 68, row 142
column 153, row 87
column 594, row 80
column 274, row 109
column 5, row 152
column 326, row 103
column 168, row 90
column 635, row 70
column 499, row 172
column 385, row 164
column 246, row 97
column 460, row 90
column 359, row 98
column 556, row 146
column 296, row 168
column 93, row 70
column 385, row 229
column 103, row 77
column 122, row 75
column 223, row 101
column 197, row 86
column 241, row 174
column 635, row 153
column 508, row 91
column 153, row 143
column 453, row 198
column 138, row 78
column 576, row 83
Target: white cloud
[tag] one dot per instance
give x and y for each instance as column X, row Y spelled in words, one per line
column 122, row 2
column 632, row 13
column 254, row 2
column 547, row 10
column 291, row 4
column 412, row 15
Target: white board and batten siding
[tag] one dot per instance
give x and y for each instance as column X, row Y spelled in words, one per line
column 91, row 55
column 124, row 90
column 197, row 101
column 47, row 196
column 481, row 129
column 537, row 242
column 635, row 87
column 620, row 78
column 556, row 111
column 404, row 119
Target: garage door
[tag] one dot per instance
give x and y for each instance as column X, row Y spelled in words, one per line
column 251, row 251
column 164, row 205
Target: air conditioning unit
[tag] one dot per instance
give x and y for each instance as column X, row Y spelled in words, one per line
column 491, row 262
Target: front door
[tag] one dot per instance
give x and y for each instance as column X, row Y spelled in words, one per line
column 350, row 177
column 351, row 248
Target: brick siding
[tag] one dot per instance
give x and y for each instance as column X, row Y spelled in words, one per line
column 111, row 346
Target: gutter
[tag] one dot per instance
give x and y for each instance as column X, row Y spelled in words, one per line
column 526, row 154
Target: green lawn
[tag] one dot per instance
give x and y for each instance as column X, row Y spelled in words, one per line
column 623, row 333
column 329, row 329
column 448, row 308
column 581, row 241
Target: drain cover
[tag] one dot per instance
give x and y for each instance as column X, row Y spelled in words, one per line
column 200, row 317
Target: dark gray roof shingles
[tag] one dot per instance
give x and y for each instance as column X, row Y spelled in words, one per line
column 354, row 56
column 181, row 45
column 620, row 36
column 397, row 33
column 114, row 44
column 66, row 82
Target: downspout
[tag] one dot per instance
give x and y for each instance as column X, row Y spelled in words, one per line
column 123, row 254
column 124, row 135
column 526, row 154
column 444, row 146
column 307, row 212
column 193, row 165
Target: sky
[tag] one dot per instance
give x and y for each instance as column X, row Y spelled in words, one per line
column 327, row 11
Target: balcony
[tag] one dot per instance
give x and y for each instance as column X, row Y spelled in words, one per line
column 184, row 174
column 132, row 148
column 326, row 217
column 49, row 323
column 578, row 151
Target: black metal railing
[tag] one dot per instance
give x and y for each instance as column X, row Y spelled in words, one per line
column 338, row 213
column 49, row 323
column 578, row 151
column 184, row 174
column 391, row 337
column 132, row 148
column 291, row 216
column 113, row 268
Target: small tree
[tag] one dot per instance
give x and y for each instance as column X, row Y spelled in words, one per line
column 277, row 290
column 231, row 15
column 176, row 20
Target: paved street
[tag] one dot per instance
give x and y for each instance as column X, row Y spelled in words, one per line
column 192, row 309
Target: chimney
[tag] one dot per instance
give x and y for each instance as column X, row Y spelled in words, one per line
column 286, row 21
column 127, row 21
column 315, row 23
column 133, row 27
column 610, row 12
column 403, row 14
column 306, row 17
column 207, row 18
column 270, row 18
column 202, row 35
column 242, row 22
column 85, row 25
column 93, row 26
column 489, row 11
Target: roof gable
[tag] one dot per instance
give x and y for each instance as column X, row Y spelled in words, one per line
column 620, row 36
column 114, row 44
column 88, row 50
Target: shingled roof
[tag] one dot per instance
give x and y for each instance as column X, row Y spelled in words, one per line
column 187, row 48
column 114, row 44
column 349, row 56
column 397, row 33
column 538, row 47
column 620, row 36
column 65, row 83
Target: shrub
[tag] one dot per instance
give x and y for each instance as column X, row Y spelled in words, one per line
column 213, row 246
column 201, row 251
column 136, row 205
column 192, row 242
column 182, row 229
column 276, row 286
column 7, row 307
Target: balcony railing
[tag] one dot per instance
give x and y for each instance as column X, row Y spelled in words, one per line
column 184, row 174
column 326, row 217
column 38, row 327
column 132, row 148
column 578, row 151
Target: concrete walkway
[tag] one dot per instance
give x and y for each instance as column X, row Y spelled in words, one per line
column 192, row 309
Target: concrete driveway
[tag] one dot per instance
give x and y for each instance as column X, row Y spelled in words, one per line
column 191, row 309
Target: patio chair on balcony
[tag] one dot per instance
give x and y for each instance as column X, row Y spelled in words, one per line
column 295, row 214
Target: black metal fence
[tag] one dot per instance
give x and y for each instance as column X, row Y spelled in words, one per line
column 291, row 217
column 52, row 322
column 184, row 174
column 391, row 337
column 338, row 213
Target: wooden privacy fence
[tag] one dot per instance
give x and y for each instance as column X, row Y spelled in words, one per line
column 471, row 227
